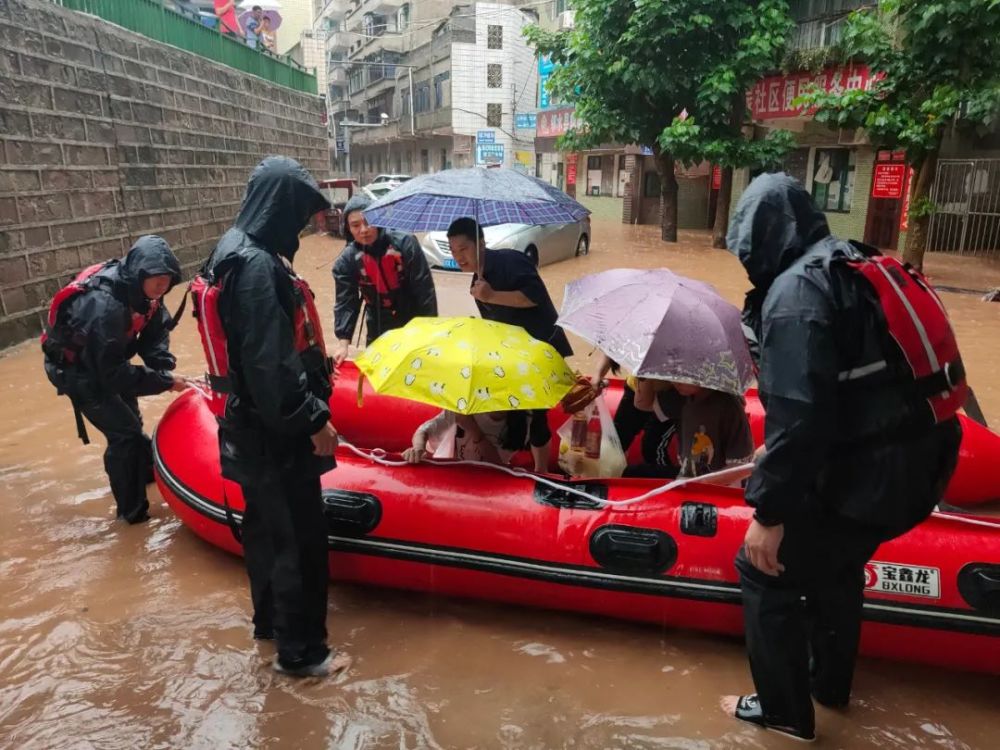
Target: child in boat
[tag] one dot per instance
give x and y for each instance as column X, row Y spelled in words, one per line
column 713, row 429
column 475, row 437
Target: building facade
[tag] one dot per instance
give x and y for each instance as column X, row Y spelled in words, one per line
column 863, row 190
column 415, row 87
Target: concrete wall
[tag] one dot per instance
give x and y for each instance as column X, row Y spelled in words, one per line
column 106, row 135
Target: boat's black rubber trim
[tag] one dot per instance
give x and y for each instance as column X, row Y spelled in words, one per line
column 876, row 610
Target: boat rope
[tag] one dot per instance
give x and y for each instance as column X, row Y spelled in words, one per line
column 725, row 476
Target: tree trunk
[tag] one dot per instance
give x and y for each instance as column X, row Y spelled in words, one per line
column 916, row 234
column 668, row 196
column 722, row 209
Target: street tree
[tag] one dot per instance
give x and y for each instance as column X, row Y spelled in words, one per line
column 672, row 76
column 939, row 64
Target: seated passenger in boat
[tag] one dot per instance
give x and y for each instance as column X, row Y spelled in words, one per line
column 712, row 426
column 630, row 422
column 475, row 437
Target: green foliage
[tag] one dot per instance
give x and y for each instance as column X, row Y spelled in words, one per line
column 631, row 67
column 941, row 66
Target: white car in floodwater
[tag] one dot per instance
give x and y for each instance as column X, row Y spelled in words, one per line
column 542, row 244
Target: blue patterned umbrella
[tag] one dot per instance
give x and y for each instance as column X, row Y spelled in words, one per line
column 490, row 196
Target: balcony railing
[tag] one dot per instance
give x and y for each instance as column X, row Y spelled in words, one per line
column 153, row 19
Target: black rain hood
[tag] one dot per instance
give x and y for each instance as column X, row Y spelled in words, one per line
column 149, row 256
column 774, row 224
column 280, row 199
column 359, row 202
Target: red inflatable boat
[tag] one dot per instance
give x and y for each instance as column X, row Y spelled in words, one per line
column 932, row 596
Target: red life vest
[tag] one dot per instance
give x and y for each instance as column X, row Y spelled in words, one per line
column 66, row 348
column 308, row 332
column 381, row 278
column 919, row 325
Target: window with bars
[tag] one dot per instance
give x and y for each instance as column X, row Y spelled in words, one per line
column 494, row 115
column 494, row 36
column 494, row 76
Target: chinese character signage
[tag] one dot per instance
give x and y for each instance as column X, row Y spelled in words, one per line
column 525, row 121
column 570, row 169
column 904, row 218
column 772, row 97
column 545, row 69
column 486, row 136
column 555, row 122
column 887, row 182
column 908, row 580
column 489, row 153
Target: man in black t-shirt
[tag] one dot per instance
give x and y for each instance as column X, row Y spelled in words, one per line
column 506, row 285
column 508, row 289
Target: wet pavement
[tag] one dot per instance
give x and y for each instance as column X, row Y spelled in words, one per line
column 123, row 637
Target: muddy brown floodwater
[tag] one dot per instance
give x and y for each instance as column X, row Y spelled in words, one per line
column 138, row 637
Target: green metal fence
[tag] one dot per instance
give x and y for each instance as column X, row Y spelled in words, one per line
column 153, row 19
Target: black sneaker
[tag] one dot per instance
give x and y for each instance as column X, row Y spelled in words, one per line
column 333, row 664
column 748, row 709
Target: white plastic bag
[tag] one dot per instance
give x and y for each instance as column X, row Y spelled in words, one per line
column 612, row 461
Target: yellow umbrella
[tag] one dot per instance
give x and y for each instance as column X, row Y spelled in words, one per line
column 466, row 365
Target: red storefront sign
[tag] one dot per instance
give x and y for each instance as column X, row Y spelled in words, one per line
column 772, row 97
column 887, row 182
column 554, row 122
column 570, row 169
column 716, row 177
column 904, row 219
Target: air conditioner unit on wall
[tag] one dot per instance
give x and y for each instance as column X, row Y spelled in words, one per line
column 565, row 20
column 853, row 137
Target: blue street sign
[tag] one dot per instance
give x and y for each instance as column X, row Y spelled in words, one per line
column 525, row 122
column 489, row 153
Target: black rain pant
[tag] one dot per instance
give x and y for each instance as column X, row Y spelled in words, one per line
column 128, row 458
column 285, row 548
column 803, row 626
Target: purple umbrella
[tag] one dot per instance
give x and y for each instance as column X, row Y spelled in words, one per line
column 661, row 325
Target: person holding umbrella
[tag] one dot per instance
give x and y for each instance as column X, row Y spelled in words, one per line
column 508, row 289
column 685, row 345
column 481, row 373
column 712, row 426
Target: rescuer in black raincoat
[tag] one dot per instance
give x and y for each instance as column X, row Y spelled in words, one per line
column 400, row 288
column 276, row 438
column 95, row 327
column 845, row 469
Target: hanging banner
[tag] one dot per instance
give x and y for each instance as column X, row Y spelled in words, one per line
column 716, row 177
column 772, row 97
column 904, row 218
column 570, row 169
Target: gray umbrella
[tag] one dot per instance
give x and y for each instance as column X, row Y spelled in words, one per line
column 490, row 196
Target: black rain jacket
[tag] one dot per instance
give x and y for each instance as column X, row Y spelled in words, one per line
column 865, row 451
column 276, row 405
column 98, row 323
column 416, row 296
